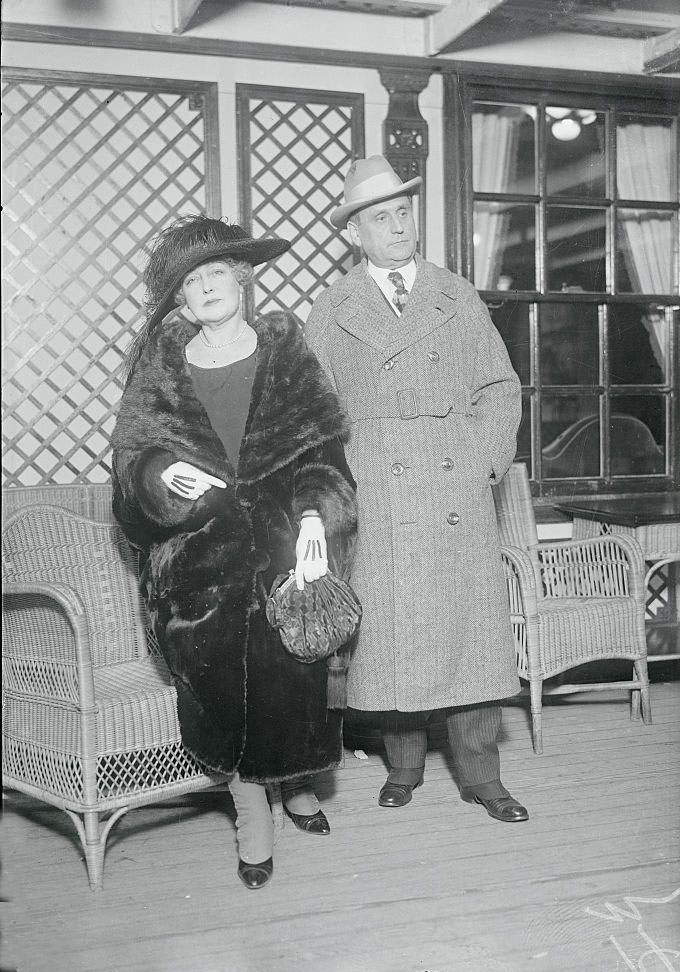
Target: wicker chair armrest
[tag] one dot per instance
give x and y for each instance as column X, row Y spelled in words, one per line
column 47, row 684
column 610, row 565
column 64, row 595
column 521, row 579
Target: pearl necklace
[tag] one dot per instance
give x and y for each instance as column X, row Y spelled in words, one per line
column 224, row 344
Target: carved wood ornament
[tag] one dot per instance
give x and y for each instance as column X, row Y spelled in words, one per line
column 405, row 132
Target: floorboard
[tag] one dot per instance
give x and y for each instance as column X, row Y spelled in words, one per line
column 590, row 884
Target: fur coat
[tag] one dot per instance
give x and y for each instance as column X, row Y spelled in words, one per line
column 243, row 702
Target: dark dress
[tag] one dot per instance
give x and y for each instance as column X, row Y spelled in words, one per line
column 225, row 395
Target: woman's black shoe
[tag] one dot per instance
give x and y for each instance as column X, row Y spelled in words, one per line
column 255, row 875
column 310, row 823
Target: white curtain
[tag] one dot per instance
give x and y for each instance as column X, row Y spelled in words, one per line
column 644, row 170
column 494, row 159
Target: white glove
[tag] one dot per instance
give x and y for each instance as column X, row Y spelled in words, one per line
column 188, row 481
column 310, row 550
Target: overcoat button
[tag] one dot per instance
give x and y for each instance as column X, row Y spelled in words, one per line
column 397, row 468
column 453, row 519
column 433, row 355
column 388, row 365
column 447, row 464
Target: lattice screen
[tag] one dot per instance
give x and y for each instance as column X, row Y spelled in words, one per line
column 295, row 147
column 93, row 168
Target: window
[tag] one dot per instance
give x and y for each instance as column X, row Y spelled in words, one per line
column 570, row 232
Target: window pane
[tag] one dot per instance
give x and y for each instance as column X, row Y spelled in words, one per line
column 645, row 158
column 575, row 148
column 637, row 435
column 638, row 344
column 504, row 236
column 568, row 344
column 570, row 428
column 644, row 251
column 576, row 249
column 503, row 148
column 512, row 321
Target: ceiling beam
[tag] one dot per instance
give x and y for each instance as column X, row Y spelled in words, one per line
column 396, row 8
column 661, row 55
column 457, row 18
column 172, row 16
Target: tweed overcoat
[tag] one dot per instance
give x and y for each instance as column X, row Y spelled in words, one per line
column 435, row 406
column 243, row 702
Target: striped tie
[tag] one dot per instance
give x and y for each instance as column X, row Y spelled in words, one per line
column 400, row 291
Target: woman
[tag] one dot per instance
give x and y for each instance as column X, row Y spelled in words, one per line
column 228, row 470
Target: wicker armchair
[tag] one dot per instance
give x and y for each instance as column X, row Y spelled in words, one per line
column 571, row 601
column 89, row 712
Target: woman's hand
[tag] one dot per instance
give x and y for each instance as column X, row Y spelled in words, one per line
column 310, row 550
column 188, row 481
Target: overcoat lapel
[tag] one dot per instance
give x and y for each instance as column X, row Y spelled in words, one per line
column 428, row 307
column 361, row 309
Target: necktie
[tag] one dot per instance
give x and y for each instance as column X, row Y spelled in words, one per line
column 400, row 291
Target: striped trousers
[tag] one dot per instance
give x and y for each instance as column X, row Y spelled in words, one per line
column 473, row 738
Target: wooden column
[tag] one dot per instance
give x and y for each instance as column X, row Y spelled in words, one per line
column 405, row 133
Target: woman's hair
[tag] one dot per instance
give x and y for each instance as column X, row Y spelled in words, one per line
column 175, row 252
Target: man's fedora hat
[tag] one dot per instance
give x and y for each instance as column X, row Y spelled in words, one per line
column 370, row 181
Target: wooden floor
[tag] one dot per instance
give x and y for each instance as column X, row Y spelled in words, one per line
column 591, row 882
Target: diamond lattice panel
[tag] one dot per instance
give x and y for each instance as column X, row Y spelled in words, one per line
column 90, row 176
column 299, row 151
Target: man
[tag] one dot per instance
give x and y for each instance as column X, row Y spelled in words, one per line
column 435, row 406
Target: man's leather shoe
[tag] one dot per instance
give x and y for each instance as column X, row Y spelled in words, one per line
column 255, row 875
column 396, row 794
column 310, row 823
column 504, row 808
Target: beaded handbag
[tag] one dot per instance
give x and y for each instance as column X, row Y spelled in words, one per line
column 317, row 621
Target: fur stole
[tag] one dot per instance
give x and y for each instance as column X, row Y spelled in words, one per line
column 293, row 406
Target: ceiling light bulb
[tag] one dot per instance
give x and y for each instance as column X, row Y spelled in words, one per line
column 566, row 130
column 587, row 117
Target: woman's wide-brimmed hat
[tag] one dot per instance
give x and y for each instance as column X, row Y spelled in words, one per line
column 193, row 240
column 369, row 181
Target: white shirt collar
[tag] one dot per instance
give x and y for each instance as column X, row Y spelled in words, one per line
column 380, row 274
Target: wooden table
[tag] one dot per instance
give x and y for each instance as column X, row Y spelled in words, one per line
column 654, row 520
